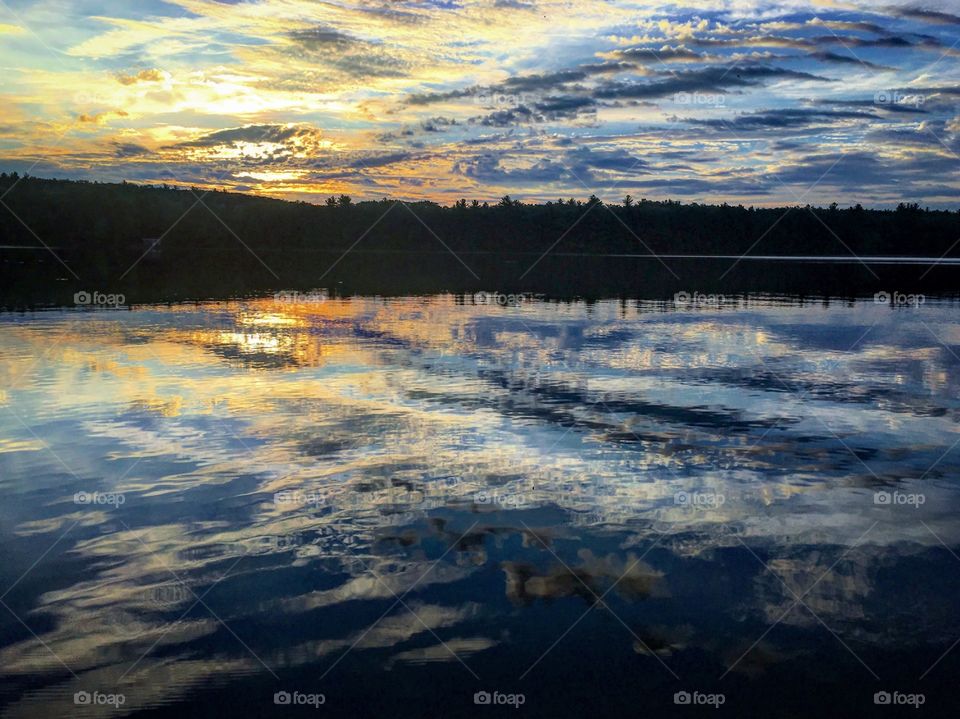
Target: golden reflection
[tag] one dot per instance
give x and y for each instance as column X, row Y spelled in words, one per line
column 350, row 442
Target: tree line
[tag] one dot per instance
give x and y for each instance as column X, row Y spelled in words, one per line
column 107, row 226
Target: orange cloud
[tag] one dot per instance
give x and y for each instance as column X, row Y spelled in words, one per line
column 142, row 76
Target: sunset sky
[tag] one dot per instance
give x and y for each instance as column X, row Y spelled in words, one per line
column 764, row 103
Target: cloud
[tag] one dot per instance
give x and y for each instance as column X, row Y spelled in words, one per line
column 846, row 60
column 129, row 149
column 252, row 134
column 150, row 75
column 708, row 79
column 941, row 18
column 437, row 124
column 320, row 37
column 781, row 119
column 490, row 94
column 531, row 83
column 350, row 56
column 662, row 54
column 100, row 116
column 582, row 164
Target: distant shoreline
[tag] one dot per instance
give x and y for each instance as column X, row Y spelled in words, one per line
column 825, row 259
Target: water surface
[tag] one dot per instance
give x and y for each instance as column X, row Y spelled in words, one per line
column 398, row 503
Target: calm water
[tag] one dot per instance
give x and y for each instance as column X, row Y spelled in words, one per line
column 396, row 504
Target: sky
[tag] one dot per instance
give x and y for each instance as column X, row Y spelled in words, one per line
column 756, row 102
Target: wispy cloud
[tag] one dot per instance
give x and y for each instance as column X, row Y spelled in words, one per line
column 436, row 100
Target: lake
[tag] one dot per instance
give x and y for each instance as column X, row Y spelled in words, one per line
column 460, row 505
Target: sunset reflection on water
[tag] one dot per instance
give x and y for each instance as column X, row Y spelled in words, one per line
column 262, row 479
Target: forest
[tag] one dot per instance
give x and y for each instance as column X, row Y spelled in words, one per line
column 108, row 230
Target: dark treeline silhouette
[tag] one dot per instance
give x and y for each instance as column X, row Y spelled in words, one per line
column 105, row 224
column 102, row 230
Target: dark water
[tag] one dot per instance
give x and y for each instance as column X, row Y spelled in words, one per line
column 398, row 503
